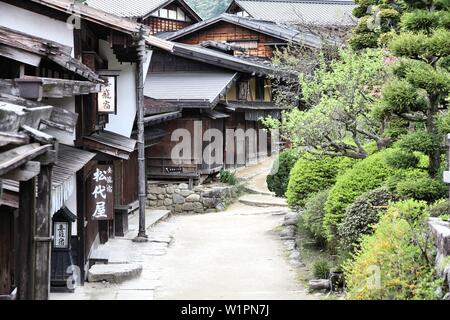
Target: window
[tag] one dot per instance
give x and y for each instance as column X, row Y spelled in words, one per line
column 172, row 14
column 242, row 14
column 260, row 89
column 163, row 13
column 180, row 15
column 242, row 90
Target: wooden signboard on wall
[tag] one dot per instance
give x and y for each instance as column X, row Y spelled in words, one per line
column 100, row 203
column 107, row 97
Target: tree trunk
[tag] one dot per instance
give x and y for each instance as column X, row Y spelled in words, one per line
column 435, row 154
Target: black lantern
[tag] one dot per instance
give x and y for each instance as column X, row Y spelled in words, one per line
column 62, row 258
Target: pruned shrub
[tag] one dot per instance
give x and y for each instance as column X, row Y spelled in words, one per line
column 311, row 175
column 418, row 141
column 278, row 182
column 311, row 219
column 361, row 216
column 366, row 175
column 396, row 261
column 402, row 160
column 424, row 188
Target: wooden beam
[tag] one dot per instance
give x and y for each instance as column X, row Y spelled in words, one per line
column 14, row 158
column 38, row 135
column 28, row 171
column 13, row 138
column 43, row 234
column 25, row 249
column 20, row 55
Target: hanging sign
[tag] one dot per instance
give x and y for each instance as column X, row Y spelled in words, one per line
column 101, row 193
column 61, row 238
column 107, row 97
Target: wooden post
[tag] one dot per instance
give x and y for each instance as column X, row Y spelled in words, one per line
column 81, row 230
column 25, row 249
column 43, row 235
column 142, row 236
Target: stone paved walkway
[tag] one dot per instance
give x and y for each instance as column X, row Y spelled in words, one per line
column 235, row 254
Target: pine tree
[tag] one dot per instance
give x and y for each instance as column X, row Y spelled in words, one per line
column 421, row 82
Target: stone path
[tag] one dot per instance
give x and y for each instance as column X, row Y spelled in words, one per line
column 232, row 255
column 237, row 254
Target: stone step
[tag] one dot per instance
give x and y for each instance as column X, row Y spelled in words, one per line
column 252, row 190
column 263, row 201
column 114, row 273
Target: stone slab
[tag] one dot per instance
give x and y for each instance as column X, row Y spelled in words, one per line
column 114, row 273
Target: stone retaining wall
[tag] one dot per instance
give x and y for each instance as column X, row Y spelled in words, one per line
column 441, row 233
column 178, row 198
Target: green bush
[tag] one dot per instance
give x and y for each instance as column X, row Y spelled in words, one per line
column 228, row 177
column 311, row 175
column 312, row 217
column 402, row 160
column 278, row 182
column 439, row 208
column 395, row 262
column 425, row 188
column 366, row 175
column 418, row 141
column 321, row 269
column 361, row 216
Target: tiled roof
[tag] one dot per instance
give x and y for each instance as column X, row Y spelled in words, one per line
column 188, row 86
column 130, row 8
column 318, row 12
column 280, row 31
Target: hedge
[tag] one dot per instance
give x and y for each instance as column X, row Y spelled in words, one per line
column 278, row 182
column 311, row 175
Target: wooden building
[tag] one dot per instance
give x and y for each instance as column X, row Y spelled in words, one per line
column 215, row 90
column 38, row 80
column 160, row 15
column 26, row 160
column 243, row 35
column 85, row 63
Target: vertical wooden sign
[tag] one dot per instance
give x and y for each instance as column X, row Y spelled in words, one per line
column 101, row 193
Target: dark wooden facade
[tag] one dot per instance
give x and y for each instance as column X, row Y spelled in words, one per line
column 256, row 43
column 7, row 245
column 172, row 17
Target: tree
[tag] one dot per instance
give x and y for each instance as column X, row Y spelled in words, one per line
column 378, row 19
column 421, row 82
column 339, row 99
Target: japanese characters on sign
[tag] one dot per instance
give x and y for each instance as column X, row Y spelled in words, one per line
column 107, row 97
column 101, row 193
column 61, row 238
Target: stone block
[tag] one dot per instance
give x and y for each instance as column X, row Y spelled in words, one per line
column 170, row 190
column 188, row 206
column 183, row 186
column 168, row 202
column 193, row 198
column 186, row 193
column 220, row 207
column 156, row 190
column 178, row 199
